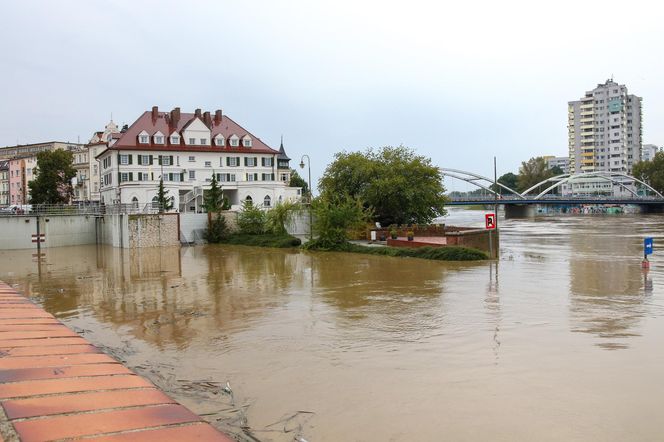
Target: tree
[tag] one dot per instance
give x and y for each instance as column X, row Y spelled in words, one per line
column 333, row 218
column 214, row 200
column 556, row 170
column 280, row 216
column 165, row 203
column 532, row 172
column 217, row 229
column 651, row 172
column 510, row 180
column 251, row 219
column 399, row 186
column 54, row 172
column 297, row 181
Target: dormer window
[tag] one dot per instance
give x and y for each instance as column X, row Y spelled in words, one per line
column 143, row 137
column 192, row 140
column 219, row 140
column 203, row 141
column 175, row 139
column 234, row 140
column 246, row 141
column 158, row 138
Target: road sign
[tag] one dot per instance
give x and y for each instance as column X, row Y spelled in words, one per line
column 38, row 238
column 490, row 221
column 647, row 246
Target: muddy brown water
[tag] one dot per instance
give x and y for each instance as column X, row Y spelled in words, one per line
column 559, row 340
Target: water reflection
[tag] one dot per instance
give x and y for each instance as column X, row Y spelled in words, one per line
column 606, row 283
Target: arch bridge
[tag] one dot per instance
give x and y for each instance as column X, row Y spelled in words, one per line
column 627, row 183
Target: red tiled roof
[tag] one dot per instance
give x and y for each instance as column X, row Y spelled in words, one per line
column 164, row 124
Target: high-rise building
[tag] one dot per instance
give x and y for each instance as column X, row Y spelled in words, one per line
column 648, row 152
column 604, row 129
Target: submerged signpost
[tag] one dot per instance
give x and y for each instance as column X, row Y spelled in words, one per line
column 647, row 250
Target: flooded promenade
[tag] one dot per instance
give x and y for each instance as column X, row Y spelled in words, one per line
column 559, row 340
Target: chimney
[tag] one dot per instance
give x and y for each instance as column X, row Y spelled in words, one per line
column 217, row 116
column 207, row 119
column 197, row 113
column 155, row 113
column 175, row 117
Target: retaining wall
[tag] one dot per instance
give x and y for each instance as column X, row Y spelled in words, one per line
column 59, row 230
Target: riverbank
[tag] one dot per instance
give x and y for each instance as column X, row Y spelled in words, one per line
column 54, row 384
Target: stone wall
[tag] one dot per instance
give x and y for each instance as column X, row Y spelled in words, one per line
column 153, row 230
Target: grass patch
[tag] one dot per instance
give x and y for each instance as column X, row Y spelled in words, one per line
column 450, row 253
column 263, row 240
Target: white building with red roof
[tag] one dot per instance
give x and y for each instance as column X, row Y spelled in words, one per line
column 186, row 149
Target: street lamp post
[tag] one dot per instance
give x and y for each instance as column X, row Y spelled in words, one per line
column 311, row 234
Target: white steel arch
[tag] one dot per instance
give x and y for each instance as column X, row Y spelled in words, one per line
column 609, row 176
column 472, row 178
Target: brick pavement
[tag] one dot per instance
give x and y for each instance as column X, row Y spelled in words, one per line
column 55, row 385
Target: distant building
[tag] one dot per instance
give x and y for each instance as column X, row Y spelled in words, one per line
column 88, row 177
column 186, row 149
column 22, row 150
column 21, row 172
column 648, row 152
column 561, row 162
column 4, row 183
column 604, row 129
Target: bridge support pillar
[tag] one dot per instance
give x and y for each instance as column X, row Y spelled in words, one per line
column 519, row 210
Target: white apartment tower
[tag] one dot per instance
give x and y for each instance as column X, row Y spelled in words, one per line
column 604, row 129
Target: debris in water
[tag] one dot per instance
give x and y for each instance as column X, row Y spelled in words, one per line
column 227, row 389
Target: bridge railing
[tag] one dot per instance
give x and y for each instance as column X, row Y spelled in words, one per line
column 78, row 209
column 490, row 198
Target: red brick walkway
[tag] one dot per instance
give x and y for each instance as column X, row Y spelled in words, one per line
column 55, row 385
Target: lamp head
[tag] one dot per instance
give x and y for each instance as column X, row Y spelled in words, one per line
column 301, row 164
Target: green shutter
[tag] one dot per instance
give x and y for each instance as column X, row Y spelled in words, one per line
column 228, row 161
column 181, row 176
column 245, row 161
column 171, row 160
column 131, row 176
column 159, row 160
column 140, row 160
column 151, row 160
column 119, row 178
column 130, row 161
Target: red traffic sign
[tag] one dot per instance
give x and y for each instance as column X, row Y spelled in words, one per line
column 38, row 238
column 490, row 221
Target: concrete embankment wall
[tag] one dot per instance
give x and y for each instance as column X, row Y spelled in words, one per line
column 59, row 230
column 125, row 231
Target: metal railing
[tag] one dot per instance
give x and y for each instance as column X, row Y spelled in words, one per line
column 79, row 209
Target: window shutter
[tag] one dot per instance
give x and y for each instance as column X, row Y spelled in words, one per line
column 255, row 161
column 150, row 160
column 181, row 176
column 131, row 176
column 140, row 161
column 245, row 162
column 171, row 161
column 119, row 178
column 130, row 156
column 228, row 161
column 159, row 160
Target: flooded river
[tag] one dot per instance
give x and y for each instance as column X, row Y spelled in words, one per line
column 559, row 340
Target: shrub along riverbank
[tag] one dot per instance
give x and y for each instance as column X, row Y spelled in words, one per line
column 263, row 240
column 448, row 253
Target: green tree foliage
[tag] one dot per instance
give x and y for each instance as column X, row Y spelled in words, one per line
column 165, row 203
column 217, row 230
column 510, row 180
column 280, row 216
column 52, row 184
column 297, row 181
column 251, row 219
column 400, row 186
column 556, row 170
column 214, row 200
column 333, row 218
column 532, row 172
column 652, row 172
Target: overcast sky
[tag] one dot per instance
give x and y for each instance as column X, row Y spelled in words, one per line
column 458, row 83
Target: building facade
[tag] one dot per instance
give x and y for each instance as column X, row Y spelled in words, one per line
column 4, row 183
column 185, row 150
column 21, row 172
column 604, row 129
column 648, row 152
column 26, row 150
column 561, row 162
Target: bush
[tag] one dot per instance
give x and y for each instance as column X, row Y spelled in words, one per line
column 334, row 218
column 264, row 240
column 436, row 253
column 251, row 219
column 280, row 216
column 217, row 230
